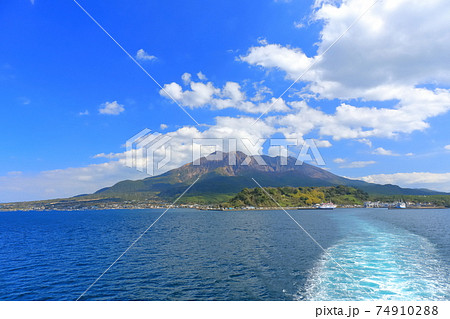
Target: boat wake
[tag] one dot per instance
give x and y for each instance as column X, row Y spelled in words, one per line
column 384, row 262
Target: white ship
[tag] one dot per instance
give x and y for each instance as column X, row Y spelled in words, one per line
column 329, row 205
column 401, row 205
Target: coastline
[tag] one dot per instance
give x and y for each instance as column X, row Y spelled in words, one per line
column 209, row 208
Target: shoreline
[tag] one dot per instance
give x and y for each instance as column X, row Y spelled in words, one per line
column 214, row 209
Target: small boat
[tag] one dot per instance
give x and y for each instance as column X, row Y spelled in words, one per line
column 329, row 205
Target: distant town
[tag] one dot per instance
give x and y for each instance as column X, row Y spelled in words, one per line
column 108, row 205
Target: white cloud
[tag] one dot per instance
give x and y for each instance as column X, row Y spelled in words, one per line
column 200, row 95
column 262, row 41
column 291, row 60
column 15, row 173
column 24, row 100
column 357, row 164
column 186, row 77
column 365, row 141
column 163, row 126
column 85, row 112
column 389, row 55
column 261, row 92
column 111, row 108
column 396, row 43
column 415, row 179
column 361, row 123
column 447, row 147
column 382, row 151
column 386, row 56
column 323, row 143
column 299, row 25
column 64, row 182
column 201, row 76
column 144, row 56
column 230, row 95
column 411, row 113
column 339, row 160
column 109, row 155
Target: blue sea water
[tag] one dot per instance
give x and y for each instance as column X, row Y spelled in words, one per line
column 202, row 255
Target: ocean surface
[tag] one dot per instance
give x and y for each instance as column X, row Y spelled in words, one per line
column 368, row 254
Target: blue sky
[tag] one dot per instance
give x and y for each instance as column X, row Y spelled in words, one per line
column 377, row 102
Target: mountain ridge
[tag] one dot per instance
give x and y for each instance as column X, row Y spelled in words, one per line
column 218, row 177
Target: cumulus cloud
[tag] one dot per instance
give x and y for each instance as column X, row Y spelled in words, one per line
column 339, row 160
column 411, row 105
column 186, row 77
column 109, row 155
column 362, row 123
column 261, row 92
column 394, row 44
column 365, row 141
column 391, row 54
column 199, row 95
column 290, row 60
column 111, row 108
column 447, row 147
column 414, row 179
column 201, row 76
column 382, row 151
column 231, row 95
column 299, row 25
column 144, row 56
column 357, row 164
column 15, row 173
column 323, row 143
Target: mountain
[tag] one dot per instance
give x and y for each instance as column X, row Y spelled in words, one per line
column 220, row 181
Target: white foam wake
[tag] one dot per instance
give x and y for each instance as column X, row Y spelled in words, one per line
column 385, row 264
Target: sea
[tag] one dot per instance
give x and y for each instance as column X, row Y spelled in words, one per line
column 343, row 254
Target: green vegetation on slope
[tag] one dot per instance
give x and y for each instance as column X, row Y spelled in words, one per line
column 206, row 199
column 298, row 196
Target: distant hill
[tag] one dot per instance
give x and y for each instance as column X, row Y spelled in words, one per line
column 220, row 181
